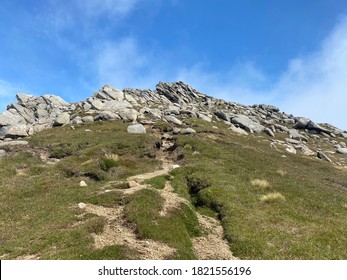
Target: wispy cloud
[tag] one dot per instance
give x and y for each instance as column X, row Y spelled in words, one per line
column 316, row 84
column 7, row 94
column 313, row 85
column 125, row 64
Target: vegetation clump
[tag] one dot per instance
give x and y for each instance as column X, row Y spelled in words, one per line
column 272, row 197
column 259, row 183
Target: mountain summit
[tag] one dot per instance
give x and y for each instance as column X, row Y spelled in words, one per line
column 173, row 103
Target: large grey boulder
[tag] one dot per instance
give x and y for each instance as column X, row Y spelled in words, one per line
column 14, row 131
column 11, row 117
column 109, row 93
column 13, row 143
column 87, row 119
column 314, row 126
column 27, row 114
column 55, row 101
column 115, row 105
column 294, row 134
column 62, row 119
column 342, row 151
column 188, row 131
column 204, row 117
column 238, row 130
column 269, row 108
column 136, row 128
column 301, row 123
column 96, row 104
column 248, row 124
column 107, row 115
column 128, row 114
column 172, row 119
column 343, row 134
column 41, row 112
column 24, row 98
column 223, row 116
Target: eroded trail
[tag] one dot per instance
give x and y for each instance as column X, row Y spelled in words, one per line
column 117, row 231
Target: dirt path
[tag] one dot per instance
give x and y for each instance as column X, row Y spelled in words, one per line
column 116, row 231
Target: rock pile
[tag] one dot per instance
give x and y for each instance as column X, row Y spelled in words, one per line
column 170, row 102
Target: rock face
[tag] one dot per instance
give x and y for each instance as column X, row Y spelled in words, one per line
column 172, row 103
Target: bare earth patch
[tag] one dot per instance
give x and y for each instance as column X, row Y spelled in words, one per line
column 117, row 233
column 172, row 200
column 212, row 246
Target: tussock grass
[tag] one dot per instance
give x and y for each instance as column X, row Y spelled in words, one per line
column 281, row 172
column 260, row 183
column 272, row 197
column 111, row 156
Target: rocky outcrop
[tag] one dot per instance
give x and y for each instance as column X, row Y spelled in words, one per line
column 172, row 103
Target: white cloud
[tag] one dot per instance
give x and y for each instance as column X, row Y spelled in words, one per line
column 7, row 94
column 124, row 64
column 313, row 85
column 85, row 14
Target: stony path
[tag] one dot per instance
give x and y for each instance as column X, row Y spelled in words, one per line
column 117, row 232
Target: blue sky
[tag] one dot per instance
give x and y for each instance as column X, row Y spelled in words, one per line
column 288, row 53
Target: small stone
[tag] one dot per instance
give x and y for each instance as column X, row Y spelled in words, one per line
column 290, row 149
column 188, row 131
column 81, row 205
column 133, row 184
column 176, row 130
column 269, row 132
column 83, row 184
column 323, row 156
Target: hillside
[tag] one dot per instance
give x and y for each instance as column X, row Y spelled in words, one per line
column 169, row 173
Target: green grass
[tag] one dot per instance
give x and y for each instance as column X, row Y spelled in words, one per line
column 158, row 182
column 176, row 229
column 310, row 224
column 38, row 202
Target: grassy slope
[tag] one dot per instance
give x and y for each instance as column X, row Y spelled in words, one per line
column 310, row 224
column 38, row 201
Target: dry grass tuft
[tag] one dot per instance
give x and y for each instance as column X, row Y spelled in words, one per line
column 281, row 172
column 272, row 197
column 112, row 157
column 344, row 205
column 259, row 183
